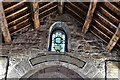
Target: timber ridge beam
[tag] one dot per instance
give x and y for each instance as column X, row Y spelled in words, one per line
column 60, row 7
column 35, row 10
column 114, row 39
column 4, row 25
column 89, row 16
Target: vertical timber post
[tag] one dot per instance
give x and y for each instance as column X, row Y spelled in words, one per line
column 60, row 6
column 114, row 39
column 89, row 16
column 35, row 9
column 4, row 25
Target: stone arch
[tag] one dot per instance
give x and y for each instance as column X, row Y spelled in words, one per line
column 56, row 71
column 44, row 65
column 24, row 69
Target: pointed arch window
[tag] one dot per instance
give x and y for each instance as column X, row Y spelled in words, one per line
column 58, row 40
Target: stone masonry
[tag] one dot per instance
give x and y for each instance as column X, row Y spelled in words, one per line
column 30, row 43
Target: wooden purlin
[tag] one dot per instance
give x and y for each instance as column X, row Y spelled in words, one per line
column 101, row 17
column 18, row 20
column 89, row 16
column 35, row 9
column 111, row 18
column 114, row 39
column 12, row 8
column 113, row 8
column 46, row 9
column 16, row 14
column 48, row 12
column 75, row 12
column 4, row 25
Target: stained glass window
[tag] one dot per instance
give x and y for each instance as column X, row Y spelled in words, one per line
column 58, row 41
column 58, row 37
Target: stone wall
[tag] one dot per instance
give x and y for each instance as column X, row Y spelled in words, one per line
column 30, row 43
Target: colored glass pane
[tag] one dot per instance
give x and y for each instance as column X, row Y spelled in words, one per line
column 58, row 40
column 58, row 47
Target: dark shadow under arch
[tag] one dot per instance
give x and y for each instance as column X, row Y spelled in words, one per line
column 59, row 69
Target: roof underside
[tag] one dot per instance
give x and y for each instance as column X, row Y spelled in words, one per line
column 104, row 24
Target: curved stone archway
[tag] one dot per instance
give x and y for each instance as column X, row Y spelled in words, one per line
column 56, row 72
column 27, row 68
column 46, row 65
column 24, row 69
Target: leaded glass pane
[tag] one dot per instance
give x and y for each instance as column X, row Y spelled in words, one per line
column 58, row 41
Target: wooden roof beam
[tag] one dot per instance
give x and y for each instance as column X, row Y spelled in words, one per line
column 35, row 10
column 89, row 16
column 114, row 39
column 60, row 6
column 4, row 26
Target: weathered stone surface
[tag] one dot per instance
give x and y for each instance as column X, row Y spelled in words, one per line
column 63, row 58
column 25, row 65
column 86, row 69
column 20, row 70
column 92, row 72
column 13, row 74
column 100, row 76
column 3, row 66
column 30, row 43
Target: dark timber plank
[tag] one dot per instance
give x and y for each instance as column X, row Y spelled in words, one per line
column 48, row 11
column 14, row 7
column 73, row 12
column 16, row 14
column 18, row 20
column 29, row 25
column 8, row 4
column 82, row 6
column 99, row 34
column 113, row 19
column 20, row 25
column 102, row 27
column 112, row 7
column 42, row 4
column 101, row 17
column 47, row 6
column 77, row 9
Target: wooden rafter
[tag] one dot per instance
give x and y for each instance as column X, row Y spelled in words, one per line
column 114, row 39
column 89, row 16
column 4, row 26
column 60, row 7
column 35, row 8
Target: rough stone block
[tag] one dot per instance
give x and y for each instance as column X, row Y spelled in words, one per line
column 25, row 65
column 92, row 72
column 20, row 70
column 100, row 75
column 13, row 74
column 86, row 68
